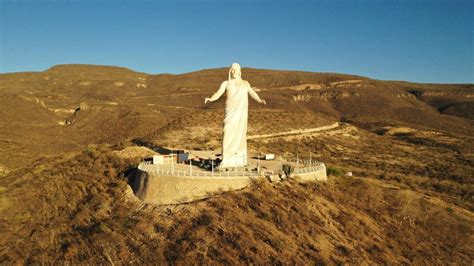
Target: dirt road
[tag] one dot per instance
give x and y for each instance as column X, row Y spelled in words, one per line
column 296, row 132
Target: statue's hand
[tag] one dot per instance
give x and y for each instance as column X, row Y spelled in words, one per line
column 207, row 100
column 262, row 101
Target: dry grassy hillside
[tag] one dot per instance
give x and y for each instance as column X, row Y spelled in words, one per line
column 64, row 193
column 69, row 106
column 447, row 99
column 80, row 210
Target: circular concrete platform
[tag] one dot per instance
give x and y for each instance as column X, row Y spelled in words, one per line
column 179, row 183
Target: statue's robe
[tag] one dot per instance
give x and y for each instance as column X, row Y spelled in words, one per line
column 234, row 143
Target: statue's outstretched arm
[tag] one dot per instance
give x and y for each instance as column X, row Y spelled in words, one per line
column 218, row 93
column 254, row 96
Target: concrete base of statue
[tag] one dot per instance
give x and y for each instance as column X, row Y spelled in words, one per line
column 154, row 187
column 182, row 183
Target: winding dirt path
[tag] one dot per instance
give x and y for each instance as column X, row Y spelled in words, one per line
column 296, row 132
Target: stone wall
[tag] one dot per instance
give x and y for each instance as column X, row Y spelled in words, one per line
column 313, row 176
column 157, row 187
column 161, row 189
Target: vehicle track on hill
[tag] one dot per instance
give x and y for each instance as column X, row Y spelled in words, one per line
column 296, row 132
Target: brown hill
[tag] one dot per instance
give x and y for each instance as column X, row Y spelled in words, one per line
column 64, row 195
column 69, row 106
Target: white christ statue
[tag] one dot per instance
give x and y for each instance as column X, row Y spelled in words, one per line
column 234, row 142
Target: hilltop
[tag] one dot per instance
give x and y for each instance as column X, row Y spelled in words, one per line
column 65, row 195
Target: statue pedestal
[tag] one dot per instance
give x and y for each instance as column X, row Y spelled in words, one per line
column 163, row 187
column 180, row 183
column 234, row 161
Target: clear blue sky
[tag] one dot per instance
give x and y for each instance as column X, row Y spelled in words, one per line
column 425, row 41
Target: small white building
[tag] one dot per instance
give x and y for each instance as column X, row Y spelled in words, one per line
column 269, row 157
column 165, row 159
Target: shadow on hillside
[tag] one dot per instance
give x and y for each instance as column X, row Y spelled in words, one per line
column 143, row 142
column 131, row 175
column 417, row 140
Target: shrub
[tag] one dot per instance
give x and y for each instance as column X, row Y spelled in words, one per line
column 256, row 183
column 287, row 169
column 92, row 152
column 334, row 171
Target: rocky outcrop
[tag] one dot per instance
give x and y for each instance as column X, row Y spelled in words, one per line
column 324, row 95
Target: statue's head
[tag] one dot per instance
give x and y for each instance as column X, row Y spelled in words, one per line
column 234, row 71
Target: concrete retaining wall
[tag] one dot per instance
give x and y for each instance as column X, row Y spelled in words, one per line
column 155, row 187
column 159, row 189
column 319, row 175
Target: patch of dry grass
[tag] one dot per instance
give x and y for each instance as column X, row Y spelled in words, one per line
column 78, row 212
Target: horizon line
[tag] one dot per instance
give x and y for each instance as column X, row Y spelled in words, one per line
column 224, row 67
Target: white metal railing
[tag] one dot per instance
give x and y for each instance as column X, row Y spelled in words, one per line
column 149, row 167
column 310, row 169
column 304, row 161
